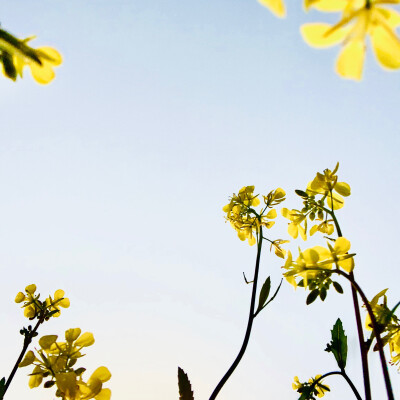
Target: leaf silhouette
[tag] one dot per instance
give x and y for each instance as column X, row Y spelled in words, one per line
column 185, row 389
column 338, row 344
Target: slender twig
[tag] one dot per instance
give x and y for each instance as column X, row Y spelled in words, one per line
column 361, row 340
column 249, row 323
column 345, row 376
column 27, row 341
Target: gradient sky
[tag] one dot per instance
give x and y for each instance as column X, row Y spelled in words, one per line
column 114, row 176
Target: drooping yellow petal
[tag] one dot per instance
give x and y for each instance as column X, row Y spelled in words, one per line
column 275, row 6
column 42, row 74
column 317, row 35
column 386, row 46
column 351, row 60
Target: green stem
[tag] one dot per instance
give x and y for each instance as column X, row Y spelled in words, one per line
column 249, row 323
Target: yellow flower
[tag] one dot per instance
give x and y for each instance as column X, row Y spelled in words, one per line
column 16, row 54
column 295, row 227
column 360, row 18
column 244, row 218
column 59, row 301
column 340, row 256
column 275, row 6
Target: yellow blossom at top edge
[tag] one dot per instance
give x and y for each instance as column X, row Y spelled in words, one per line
column 277, row 7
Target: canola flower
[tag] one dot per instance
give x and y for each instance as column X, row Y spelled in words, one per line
column 16, row 54
column 321, row 198
column 309, row 261
column 244, row 218
column 34, row 308
column 388, row 323
column 314, row 386
column 360, row 19
column 56, row 362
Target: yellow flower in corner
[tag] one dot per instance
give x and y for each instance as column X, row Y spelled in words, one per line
column 360, row 18
column 277, row 7
column 16, row 54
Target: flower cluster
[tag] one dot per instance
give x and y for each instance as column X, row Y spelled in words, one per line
column 243, row 217
column 322, row 196
column 310, row 389
column 34, row 308
column 388, row 324
column 15, row 54
column 360, row 18
column 313, row 267
column 56, row 361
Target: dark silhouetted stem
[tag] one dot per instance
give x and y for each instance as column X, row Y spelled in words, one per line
column 249, row 323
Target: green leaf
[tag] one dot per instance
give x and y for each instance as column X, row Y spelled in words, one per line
column 338, row 344
column 312, row 296
column 264, row 293
column 8, row 66
column 301, row 193
column 185, row 389
column 338, row 287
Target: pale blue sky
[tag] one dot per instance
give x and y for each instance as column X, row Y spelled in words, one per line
column 113, row 178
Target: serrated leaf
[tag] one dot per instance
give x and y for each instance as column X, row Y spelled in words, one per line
column 338, row 344
column 312, row 296
column 264, row 293
column 185, row 389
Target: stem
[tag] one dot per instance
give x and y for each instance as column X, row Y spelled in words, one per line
column 376, row 331
column 345, row 376
column 361, row 340
column 374, row 325
column 249, row 323
column 27, row 342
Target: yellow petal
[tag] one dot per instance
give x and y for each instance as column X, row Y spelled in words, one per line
column 302, row 233
column 275, row 6
column 50, row 54
column 45, row 342
column 271, row 214
column 42, row 74
column 386, row 46
column 328, row 5
column 293, row 230
column 30, row 289
column 59, row 294
column 347, row 264
column 342, row 245
column 313, row 230
column 20, row 297
column 351, row 60
column 72, row 334
column 28, row 359
column 66, row 383
column 86, row 339
column 343, row 188
column 36, row 378
column 337, row 202
column 315, row 35
column 105, row 394
column 101, row 373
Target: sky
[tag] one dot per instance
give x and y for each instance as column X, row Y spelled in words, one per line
column 114, row 177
